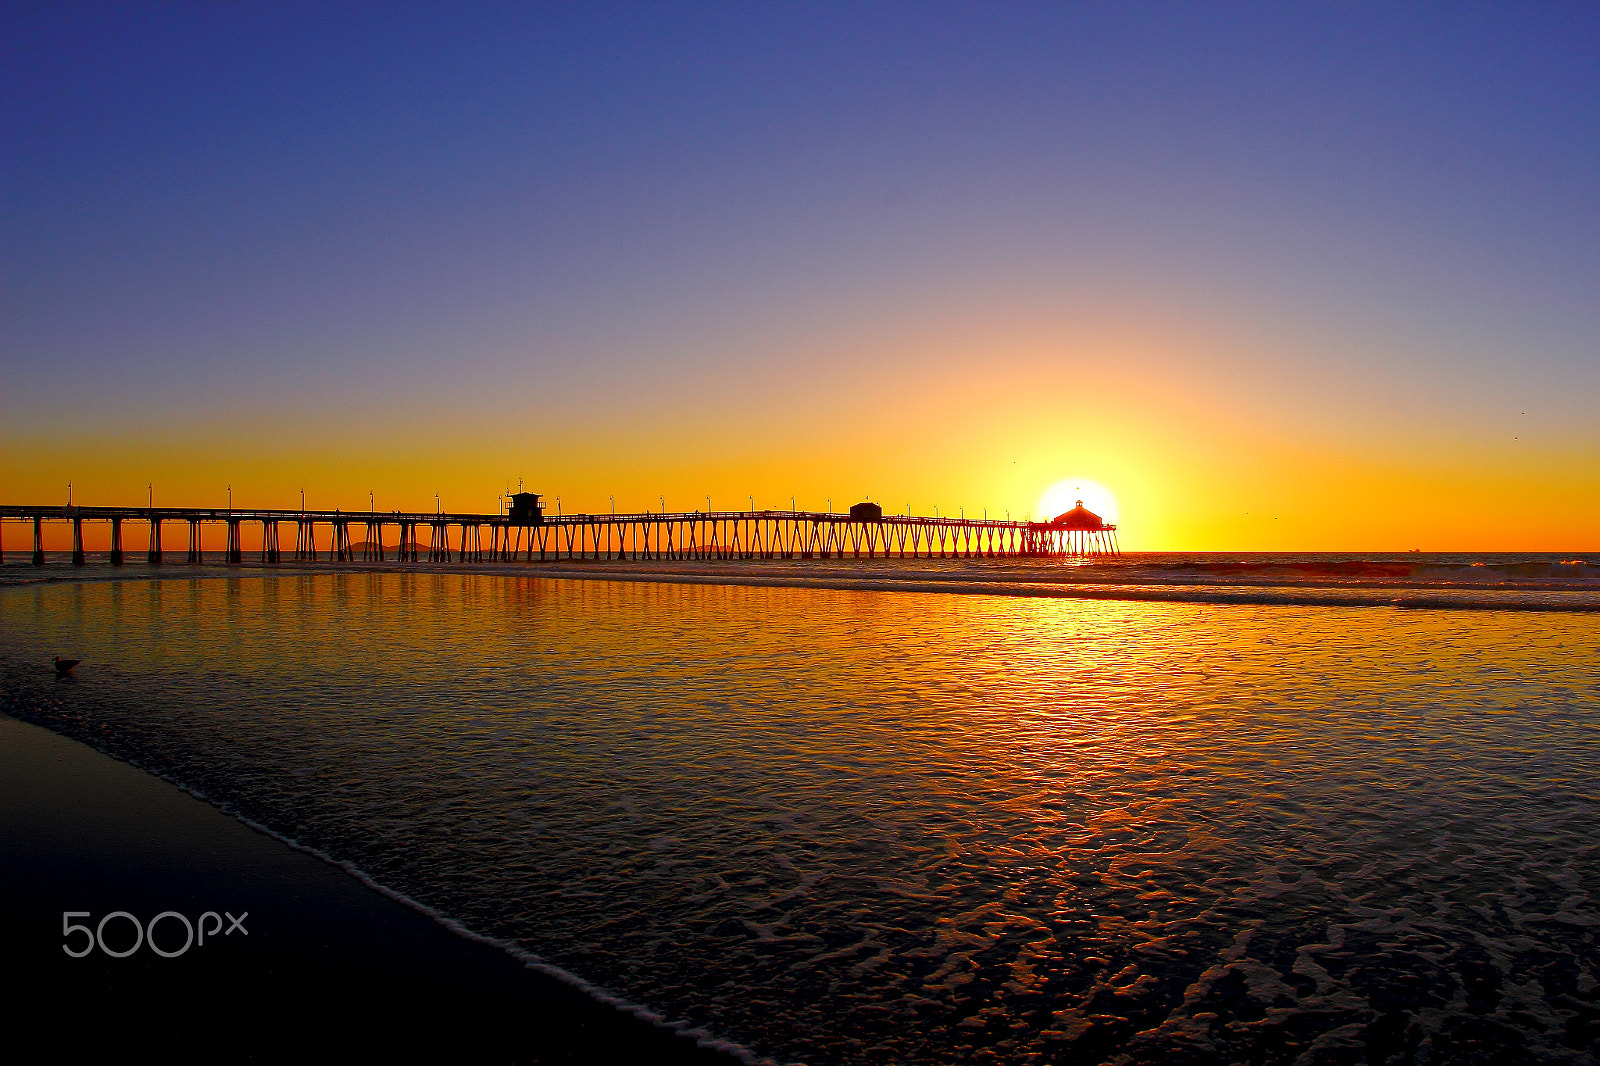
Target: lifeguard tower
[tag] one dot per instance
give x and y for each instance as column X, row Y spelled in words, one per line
column 525, row 509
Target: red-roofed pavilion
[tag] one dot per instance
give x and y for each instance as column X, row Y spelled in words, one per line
column 1078, row 532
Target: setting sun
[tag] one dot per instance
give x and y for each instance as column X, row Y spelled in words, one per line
column 1064, row 495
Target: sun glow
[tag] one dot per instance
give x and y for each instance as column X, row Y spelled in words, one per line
column 1064, row 495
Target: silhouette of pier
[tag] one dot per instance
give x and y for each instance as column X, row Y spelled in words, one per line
column 526, row 534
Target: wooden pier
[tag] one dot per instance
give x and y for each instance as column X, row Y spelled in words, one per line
column 398, row 536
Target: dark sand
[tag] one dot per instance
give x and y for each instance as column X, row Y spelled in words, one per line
column 328, row 966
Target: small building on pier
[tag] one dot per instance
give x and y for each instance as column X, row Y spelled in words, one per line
column 525, row 509
column 1080, row 517
column 866, row 512
column 1078, row 532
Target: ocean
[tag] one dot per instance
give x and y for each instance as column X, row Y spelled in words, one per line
column 1190, row 808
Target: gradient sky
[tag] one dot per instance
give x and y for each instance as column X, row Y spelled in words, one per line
column 1282, row 276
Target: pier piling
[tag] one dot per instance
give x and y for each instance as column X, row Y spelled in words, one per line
column 269, row 540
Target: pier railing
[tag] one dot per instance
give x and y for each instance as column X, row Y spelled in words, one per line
column 454, row 537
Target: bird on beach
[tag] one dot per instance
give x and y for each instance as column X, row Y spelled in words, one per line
column 64, row 666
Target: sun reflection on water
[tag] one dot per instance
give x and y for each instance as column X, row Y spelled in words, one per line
column 856, row 826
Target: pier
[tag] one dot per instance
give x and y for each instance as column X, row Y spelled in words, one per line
column 528, row 535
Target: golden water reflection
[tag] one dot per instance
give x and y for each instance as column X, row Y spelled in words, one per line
column 851, row 826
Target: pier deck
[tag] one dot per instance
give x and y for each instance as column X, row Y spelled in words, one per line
column 396, row 535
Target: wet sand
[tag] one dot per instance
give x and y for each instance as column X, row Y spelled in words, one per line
column 324, row 964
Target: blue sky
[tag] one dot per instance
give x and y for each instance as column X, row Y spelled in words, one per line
column 1360, row 228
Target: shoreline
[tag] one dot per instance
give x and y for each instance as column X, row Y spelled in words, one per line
column 883, row 576
column 1202, row 681
column 324, row 949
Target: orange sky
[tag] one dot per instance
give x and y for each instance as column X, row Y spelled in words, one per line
column 967, row 415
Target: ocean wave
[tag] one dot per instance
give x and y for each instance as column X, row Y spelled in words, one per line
column 1432, row 581
column 1560, row 573
column 1429, row 597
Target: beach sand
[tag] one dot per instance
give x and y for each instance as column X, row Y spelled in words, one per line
column 326, row 965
